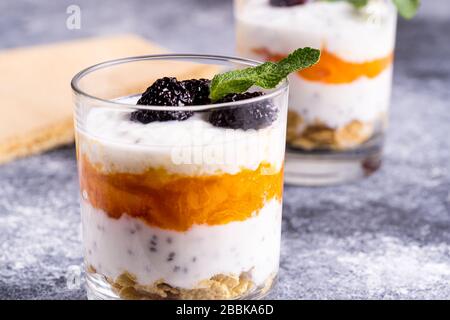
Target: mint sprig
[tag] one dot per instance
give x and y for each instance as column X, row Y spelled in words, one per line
column 266, row 75
column 406, row 8
column 356, row 3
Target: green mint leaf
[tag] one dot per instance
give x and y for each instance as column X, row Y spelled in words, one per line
column 356, row 3
column 407, row 8
column 267, row 75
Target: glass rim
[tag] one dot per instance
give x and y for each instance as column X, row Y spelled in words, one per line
column 74, row 83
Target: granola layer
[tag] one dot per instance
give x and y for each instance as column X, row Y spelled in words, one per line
column 220, row 286
column 320, row 136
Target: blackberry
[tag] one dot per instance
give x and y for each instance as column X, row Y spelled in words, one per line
column 166, row 92
column 147, row 116
column 163, row 92
column 199, row 90
column 287, row 3
column 255, row 115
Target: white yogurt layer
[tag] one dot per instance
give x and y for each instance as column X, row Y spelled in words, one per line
column 352, row 35
column 183, row 259
column 190, row 147
column 340, row 29
column 365, row 100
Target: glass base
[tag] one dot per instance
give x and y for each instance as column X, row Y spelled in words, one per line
column 98, row 288
column 322, row 168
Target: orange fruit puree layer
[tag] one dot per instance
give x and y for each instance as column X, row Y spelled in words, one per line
column 177, row 202
column 333, row 70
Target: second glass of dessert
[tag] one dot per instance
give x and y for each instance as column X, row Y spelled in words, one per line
column 180, row 197
column 338, row 109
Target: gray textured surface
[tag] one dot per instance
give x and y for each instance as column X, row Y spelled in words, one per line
column 384, row 237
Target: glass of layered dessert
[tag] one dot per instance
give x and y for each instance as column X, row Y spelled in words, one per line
column 180, row 196
column 337, row 109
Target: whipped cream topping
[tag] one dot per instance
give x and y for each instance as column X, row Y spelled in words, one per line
column 190, row 147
